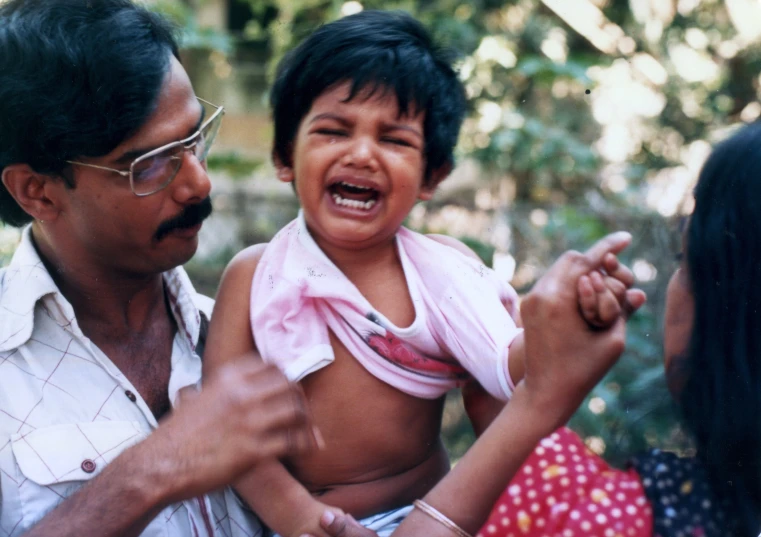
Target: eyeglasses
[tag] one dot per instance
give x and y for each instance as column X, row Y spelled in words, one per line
column 153, row 171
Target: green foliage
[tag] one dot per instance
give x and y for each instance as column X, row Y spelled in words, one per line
column 233, row 164
column 192, row 35
column 574, row 228
column 483, row 250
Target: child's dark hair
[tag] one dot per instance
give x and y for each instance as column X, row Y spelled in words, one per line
column 76, row 79
column 721, row 399
column 375, row 50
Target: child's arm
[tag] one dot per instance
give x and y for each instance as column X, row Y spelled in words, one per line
column 480, row 406
column 269, row 489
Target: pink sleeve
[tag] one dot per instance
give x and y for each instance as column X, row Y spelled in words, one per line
column 479, row 328
column 564, row 489
column 286, row 326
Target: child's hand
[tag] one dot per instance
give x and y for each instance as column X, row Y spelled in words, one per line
column 307, row 520
column 603, row 296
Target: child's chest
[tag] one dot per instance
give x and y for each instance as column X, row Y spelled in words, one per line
column 388, row 293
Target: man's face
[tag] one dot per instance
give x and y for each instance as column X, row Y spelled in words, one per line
column 111, row 227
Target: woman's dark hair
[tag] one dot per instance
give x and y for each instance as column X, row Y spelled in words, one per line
column 76, row 79
column 375, row 50
column 721, row 399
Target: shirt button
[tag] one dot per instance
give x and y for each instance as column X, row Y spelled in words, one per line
column 88, row 466
column 130, row 396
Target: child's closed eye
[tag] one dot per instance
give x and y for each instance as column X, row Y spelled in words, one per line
column 397, row 141
column 332, row 132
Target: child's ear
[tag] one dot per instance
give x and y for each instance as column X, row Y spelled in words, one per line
column 284, row 173
column 436, row 177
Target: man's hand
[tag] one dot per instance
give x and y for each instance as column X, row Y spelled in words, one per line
column 246, row 412
column 565, row 357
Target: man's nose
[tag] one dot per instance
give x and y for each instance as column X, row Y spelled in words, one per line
column 192, row 183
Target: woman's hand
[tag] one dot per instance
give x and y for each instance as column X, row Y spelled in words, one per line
column 565, row 357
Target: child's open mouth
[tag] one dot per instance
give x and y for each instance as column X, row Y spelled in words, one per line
column 353, row 196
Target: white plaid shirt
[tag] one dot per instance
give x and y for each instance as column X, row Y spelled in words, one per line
column 66, row 411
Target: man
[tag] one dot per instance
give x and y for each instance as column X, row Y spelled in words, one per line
column 102, row 149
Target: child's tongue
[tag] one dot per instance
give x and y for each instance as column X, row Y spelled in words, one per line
column 350, row 193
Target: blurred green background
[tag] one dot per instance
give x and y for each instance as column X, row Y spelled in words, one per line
column 586, row 116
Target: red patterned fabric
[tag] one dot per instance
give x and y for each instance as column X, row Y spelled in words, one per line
column 566, row 490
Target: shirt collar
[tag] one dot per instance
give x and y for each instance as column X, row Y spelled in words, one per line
column 26, row 281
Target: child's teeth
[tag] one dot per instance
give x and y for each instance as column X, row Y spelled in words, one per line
column 355, row 186
column 354, row 204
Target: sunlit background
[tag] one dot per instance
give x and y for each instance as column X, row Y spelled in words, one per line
column 586, row 116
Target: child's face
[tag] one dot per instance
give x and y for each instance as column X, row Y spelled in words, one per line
column 358, row 167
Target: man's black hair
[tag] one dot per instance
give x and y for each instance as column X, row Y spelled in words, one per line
column 376, row 51
column 77, row 78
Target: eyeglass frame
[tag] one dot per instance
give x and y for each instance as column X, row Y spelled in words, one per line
column 185, row 143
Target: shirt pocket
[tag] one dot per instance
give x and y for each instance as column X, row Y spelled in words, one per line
column 53, row 462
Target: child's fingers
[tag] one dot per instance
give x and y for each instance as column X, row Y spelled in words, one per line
column 608, row 308
column 597, row 280
column 635, row 299
column 617, row 270
column 616, row 287
column 587, row 299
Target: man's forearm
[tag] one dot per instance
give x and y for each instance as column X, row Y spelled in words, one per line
column 120, row 502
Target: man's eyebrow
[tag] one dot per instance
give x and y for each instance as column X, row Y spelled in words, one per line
column 132, row 154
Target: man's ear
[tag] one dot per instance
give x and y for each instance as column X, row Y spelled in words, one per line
column 34, row 192
column 284, row 173
column 436, row 177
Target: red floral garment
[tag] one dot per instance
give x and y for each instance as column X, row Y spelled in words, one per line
column 566, row 490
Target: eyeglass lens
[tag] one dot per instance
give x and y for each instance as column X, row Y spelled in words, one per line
column 154, row 173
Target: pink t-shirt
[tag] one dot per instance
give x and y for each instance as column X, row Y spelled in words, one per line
column 463, row 316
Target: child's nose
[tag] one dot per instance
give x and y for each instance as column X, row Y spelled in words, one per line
column 361, row 154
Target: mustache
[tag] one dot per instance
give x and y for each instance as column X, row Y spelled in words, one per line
column 190, row 216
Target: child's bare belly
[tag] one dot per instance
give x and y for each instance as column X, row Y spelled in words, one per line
column 382, row 446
